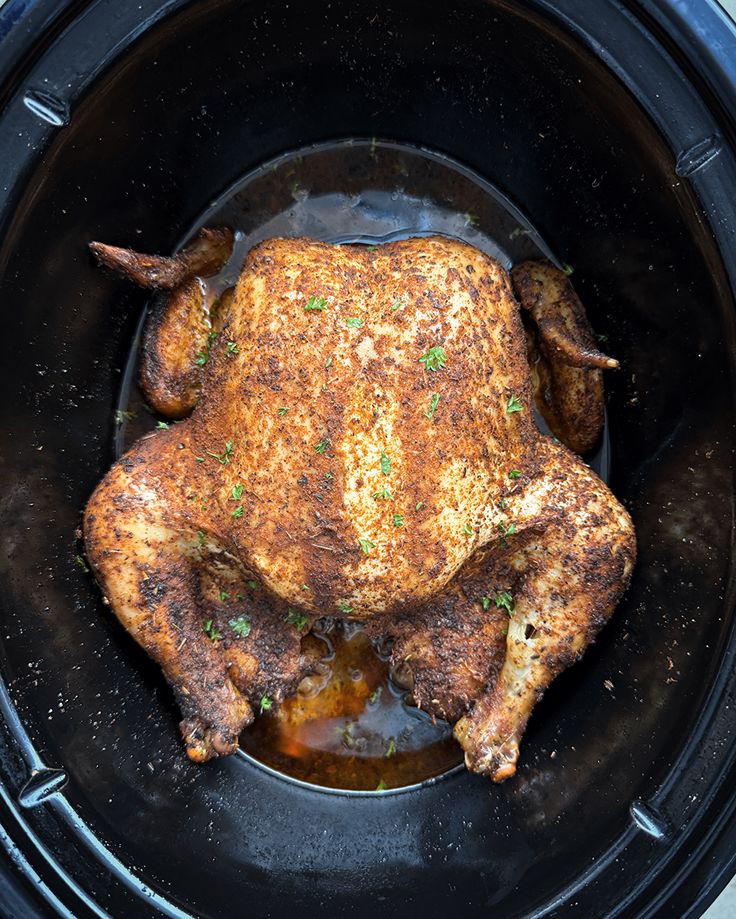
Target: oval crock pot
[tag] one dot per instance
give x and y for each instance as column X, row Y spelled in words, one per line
column 610, row 125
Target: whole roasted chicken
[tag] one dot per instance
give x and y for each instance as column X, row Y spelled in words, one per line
column 360, row 443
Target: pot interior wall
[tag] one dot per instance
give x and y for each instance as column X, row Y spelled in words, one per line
column 197, row 101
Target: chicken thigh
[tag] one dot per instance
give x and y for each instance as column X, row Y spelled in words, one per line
column 363, row 446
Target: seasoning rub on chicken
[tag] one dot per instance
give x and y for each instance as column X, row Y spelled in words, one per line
column 362, row 445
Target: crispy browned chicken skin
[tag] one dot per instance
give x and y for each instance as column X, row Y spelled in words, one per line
column 363, row 446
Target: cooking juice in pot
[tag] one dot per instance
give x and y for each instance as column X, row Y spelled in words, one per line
column 351, row 725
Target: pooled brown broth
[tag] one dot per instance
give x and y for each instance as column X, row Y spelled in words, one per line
column 350, row 726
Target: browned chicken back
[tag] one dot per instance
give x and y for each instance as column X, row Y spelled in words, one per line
column 362, row 446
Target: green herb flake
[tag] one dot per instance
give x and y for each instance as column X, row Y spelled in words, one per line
column 468, row 530
column 322, row 446
column 121, row 416
column 513, row 405
column 419, row 506
column 602, row 338
column 237, row 492
column 328, row 363
column 372, row 248
column 304, row 587
column 366, row 545
column 226, row 455
column 399, row 520
column 162, row 426
column 240, row 626
column 79, row 561
column 381, row 785
column 298, row 620
column 201, row 359
column 383, row 495
column 432, row 406
column 282, row 411
column 200, row 538
column 253, row 585
column 375, row 695
column 232, row 348
column 329, row 476
column 514, row 474
column 354, row 323
column 486, row 603
column 567, row 269
column 211, row 631
column 224, row 595
column 391, row 748
column 505, row 601
column 396, row 305
column 434, row 359
column 506, row 529
column 238, row 512
column 385, row 464
column 315, row 304
column 502, row 503
column 266, row 703
column 344, row 607
column 471, row 220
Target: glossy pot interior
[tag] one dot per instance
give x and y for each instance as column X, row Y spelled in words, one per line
column 594, row 134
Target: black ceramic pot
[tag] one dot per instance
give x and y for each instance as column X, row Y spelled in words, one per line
column 610, row 126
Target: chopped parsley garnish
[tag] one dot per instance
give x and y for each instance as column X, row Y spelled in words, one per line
column 505, row 601
column 162, row 426
column 121, row 416
column 396, row 305
column 432, row 406
column 282, row 411
column 366, row 545
column 434, row 359
column 513, row 405
column 322, row 446
column 210, row 630
column 200, row 538
column 78, row 560
column 224, row 595
column 385, row 464
column 372, row 248
column 381, row 785
column 232, row 348
column 514, row 474
column 506, row 529
column 298, row 620
column 391, row 748
column 420, row 505
column 375, row 695
column 471, row 220
column 212, row 337
column 315, row 303
column 353, row 322
column 304, row 587
column 468, row 530
column 601, row 337
column 344, row 607
column 201, row 359
column 502, row 503
column 328, row 363
column 329, row 476
column 238, row 512
column 486, row 602
column 252, row 584
column 237, row 492
column 226, row 455
column 567, row 269
column 384, row 494
column 399, row 520
column 240, row 626
column 266, row 703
